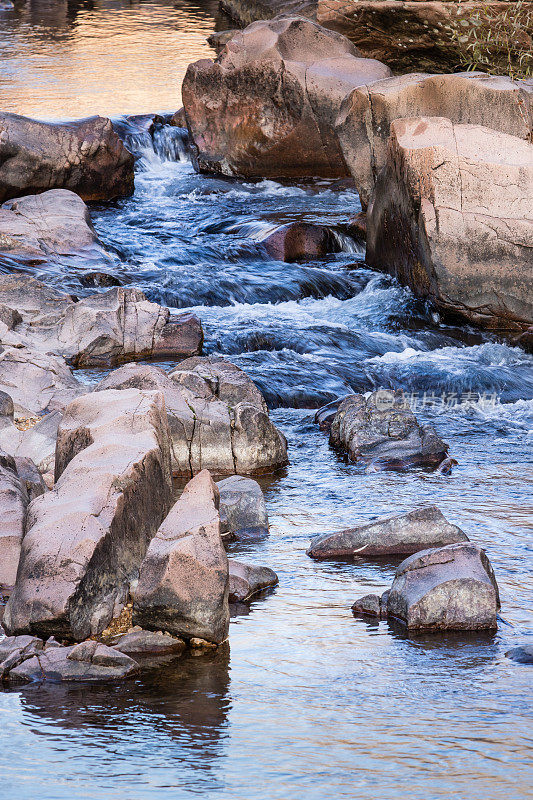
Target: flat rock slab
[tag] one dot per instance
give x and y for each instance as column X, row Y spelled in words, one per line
column 401, row 534
column 88, row 661
column 149, row 643
column 452, row 218
column 381, row 431
column 86, row 538
column 243, row 513
column 183, row 580
column 447, row 588
column 85, row 156
column 247, row 580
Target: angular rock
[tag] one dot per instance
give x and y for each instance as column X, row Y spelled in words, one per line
column 381, row 431
column 232, row 431
column 401, row 534
column 38, row 443
column 38, row 383
column 149, row 643
column 243, row 513
column 448, row 588
column 523, row 654
column 85, row 156
column 183, row 580
column 86, row 538
column 266, row 107
column 22, row 644
column 57, row 664
column 452, row 218
column 299, row 240
column 364, row 122
column 30, row 477
column 13, row 506
column 369, row 606
column 246, row 580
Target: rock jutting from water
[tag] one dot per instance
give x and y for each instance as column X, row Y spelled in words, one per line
column 382, row 432
column 445, row 588
column 300, row 240
column 267, row 106
column 247, row 580
column 399, row 535
column 522, row 654
column 243, row 512
column 86, row 538
column 452, row 217
column 85, row 156
column 183, row 580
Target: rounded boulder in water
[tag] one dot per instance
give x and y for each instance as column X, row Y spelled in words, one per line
column 300, row 240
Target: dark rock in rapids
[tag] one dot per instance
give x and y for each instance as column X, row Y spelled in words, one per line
column 300, row 240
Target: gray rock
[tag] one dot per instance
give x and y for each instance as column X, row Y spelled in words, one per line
column 523, row 654
column 183, row 580
column 16, row 649
column 30, row 477
column 381, row 431
column 7, row 409
column 13, row 506
column 243, row 513
column 246, row 580
column 38, row 443
column 86, row 538
column 369, row 606
column 85, row 156
column 38, row 383
column 402, row 534
column 149, row 643
column 447, row 588
column 57, row 664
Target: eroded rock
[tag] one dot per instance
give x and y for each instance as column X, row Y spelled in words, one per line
column 183, row 580
column 401, row 534
column 86, row 538
column 452, row 218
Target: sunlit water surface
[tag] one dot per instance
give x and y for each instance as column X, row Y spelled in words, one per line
column 306, row 701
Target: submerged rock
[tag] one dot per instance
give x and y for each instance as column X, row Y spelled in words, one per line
column 87, row 661
column 86, row 538
column 472, row 98
column 267, row 106
column 448, row 588
column 452, row 218
column 243, row 513
column 246, row 580
column 183, row 580
column 523, row 654
column 85, row 156
column 379, row 430
column 402, row 534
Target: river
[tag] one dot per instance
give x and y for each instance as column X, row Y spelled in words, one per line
column 305, row 701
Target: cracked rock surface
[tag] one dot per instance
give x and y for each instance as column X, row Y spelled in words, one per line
column 266, row 106
column 452, row 217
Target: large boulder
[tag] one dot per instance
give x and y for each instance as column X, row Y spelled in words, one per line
column 88, row 661
column 448, row 588
column 233, row 431
column 13, row 505
column 247, row 580
column 399, row 535
column 267, row 106
column 105, row 328
column 300, row 240
column 243, row 513
column 365, row 118
column 86, row 538
column 85, row 156
column 452, row 218
column 183, row 580
column 381, row 431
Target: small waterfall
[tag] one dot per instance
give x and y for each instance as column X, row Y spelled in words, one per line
column 152, row 140
column 346, row 244
column 170, row 143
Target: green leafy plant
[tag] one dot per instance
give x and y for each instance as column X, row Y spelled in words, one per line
column 496, row 40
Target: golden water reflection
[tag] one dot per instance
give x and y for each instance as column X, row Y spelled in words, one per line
column 62, row 59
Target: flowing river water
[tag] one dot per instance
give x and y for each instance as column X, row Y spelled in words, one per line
column 305, row 701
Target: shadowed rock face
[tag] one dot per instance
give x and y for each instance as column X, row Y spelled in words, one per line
column 86, row 538
column 266, row 107
column 380, row 431
column 364, row 122
column 449, row 588
column 183, row 580
column 85, row 156
column 13, row 505
column 243, row 513
column 402, row 534
column 452, row 217
column 300, row 240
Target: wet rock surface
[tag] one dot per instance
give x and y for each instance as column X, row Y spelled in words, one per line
column 243, row 512
column 88, row 661
column 247, row 580
column 451, row 217
column 402, row 534
column 86, row 538
column 300, row 240
column 380, row 431
column 522, row 654
column 183, row 580
column 266, row 107
column 85, row 156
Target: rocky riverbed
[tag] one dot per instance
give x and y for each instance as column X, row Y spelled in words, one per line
column 186, row 331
